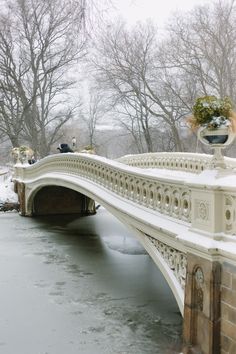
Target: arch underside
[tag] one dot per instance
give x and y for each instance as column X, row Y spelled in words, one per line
column 129, row 214
column 60, row 200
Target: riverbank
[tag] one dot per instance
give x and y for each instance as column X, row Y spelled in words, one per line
column 8, row 198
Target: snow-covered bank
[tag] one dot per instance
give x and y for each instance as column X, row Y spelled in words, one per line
column 7, row 193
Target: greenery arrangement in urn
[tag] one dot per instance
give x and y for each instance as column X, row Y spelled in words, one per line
column 213, row 113
column 23, row 149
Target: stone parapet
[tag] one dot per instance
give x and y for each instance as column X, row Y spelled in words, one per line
column 206, row 200
column 179, row 161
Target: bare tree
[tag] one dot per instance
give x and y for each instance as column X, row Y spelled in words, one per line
column 196, row 57
column 199, row 50
column 202, row 46
column 39, row 42
column 132, row 70
column 137, row 120
column 92, row 115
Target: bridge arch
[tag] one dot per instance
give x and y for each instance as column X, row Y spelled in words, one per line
column 57, row 199
column 45, row 185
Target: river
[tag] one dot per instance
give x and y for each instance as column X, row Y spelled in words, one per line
column 85, row 285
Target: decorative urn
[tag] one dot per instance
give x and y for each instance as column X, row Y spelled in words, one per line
column 214, row 119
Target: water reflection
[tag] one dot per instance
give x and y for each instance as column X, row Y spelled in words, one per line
column 83, row 286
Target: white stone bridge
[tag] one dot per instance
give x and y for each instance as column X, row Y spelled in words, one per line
column 183, row 213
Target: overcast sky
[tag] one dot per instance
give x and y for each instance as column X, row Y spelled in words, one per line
column 158, row 10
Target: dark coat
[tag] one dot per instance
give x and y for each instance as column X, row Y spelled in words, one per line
column 64, row 148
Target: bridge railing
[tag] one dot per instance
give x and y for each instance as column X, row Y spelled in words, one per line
column 205, row 201
column 189, row 162
column 171, row 197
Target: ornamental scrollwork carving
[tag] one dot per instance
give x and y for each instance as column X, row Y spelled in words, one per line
column 229, row 214
column 199, row 283
column 202, row 210
column 175, row 259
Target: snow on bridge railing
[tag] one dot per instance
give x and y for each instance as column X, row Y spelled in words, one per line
column 189, row 162
column 204, row 200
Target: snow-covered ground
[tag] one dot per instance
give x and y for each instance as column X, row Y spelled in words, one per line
column 7, row 193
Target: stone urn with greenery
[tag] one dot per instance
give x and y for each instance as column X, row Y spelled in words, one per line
column 214, row 120
column 22, row 154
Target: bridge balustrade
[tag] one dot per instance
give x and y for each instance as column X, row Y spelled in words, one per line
column 190, row 162
column 168, row 196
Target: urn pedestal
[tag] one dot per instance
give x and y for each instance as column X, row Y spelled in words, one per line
column 217, row 139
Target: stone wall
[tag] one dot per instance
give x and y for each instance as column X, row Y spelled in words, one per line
column 19, row 189
column 228, row 309
column 201, row 333
column 210, row 307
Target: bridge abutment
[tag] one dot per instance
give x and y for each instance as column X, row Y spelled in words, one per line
column 202, row 318
column 228, row 309
column 19, row 189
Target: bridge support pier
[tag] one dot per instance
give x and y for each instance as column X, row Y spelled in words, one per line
column 19, row 189
column 201, row 332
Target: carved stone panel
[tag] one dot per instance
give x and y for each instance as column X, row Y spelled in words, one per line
column 175, row 259
column 202, row 210
column 199, row 283
column 230, row 214
column 207, row 211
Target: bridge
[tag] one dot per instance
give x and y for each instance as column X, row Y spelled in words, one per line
column 183, row 212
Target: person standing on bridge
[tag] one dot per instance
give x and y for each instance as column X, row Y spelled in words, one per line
column 64, row 148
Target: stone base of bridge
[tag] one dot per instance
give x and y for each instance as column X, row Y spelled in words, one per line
column 54, row 200
column 19, row 189
column 202, row 317
column 228, row 308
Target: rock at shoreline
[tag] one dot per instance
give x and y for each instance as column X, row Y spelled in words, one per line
column 9, row 206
